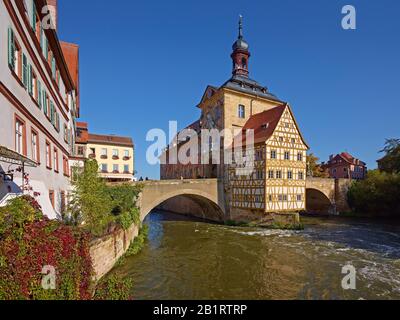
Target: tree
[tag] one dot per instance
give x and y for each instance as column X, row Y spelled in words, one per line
column 377, row 195
column 314, row 169
column 390, row 163
column 90, row 203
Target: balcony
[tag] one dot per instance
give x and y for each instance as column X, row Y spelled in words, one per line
column 115, row 158
column 126, row 158
column 92, row 156
column 104, row 157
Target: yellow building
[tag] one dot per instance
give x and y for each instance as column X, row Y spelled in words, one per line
column 277, row 182
column 114, row 154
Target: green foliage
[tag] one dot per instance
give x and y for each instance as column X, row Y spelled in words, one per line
column 126, row 219
column 113, row 288
column 125, row 209
column 286, row 226
column 390, row 163
column 378, row 194
column 17, row 214
column 314, row 168
column 233, row 223
column 123, row 197
column 97, row 205
column 91, row 202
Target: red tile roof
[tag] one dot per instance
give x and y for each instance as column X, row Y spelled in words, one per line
column 349, row 158
column 264, row 123
column 110, row 140
column 71, row 55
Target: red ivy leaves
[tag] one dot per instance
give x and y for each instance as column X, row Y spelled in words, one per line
column 44, row 243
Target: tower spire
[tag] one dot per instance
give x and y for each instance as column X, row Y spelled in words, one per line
column 240, row 55
column 240, row 26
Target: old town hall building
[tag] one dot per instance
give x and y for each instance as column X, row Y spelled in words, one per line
column 277, row 183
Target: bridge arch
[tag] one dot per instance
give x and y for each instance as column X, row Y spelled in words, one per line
column 203, row 193
column 318, row 202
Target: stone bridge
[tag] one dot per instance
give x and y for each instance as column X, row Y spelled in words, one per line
column 205, row 198
column 202, row 198
column 327, row 195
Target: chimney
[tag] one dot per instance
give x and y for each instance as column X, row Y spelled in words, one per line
column 53, row 11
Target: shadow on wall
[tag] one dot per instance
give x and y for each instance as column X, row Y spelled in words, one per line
column 317, row 202
column 7, row 187
column 193, row 205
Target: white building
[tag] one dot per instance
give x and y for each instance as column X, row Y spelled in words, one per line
column 39, row 101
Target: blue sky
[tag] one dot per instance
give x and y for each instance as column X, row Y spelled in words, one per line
column 145, row 63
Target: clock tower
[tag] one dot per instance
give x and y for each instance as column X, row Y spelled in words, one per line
column 240, row 55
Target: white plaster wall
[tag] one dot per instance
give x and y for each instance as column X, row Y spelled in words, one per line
column 42, row 179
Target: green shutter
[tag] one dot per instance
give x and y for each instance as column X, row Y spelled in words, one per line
column 33, row 17
column 39, row 88
column 44, row 102
column 30, row 80
column 58, row 122
column 24, row 70
column 51, row 111
column 53, row 67
column 11, row 48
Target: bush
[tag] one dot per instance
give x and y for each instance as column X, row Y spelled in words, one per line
column 377, row 195
column 114, row 288
column 97, row 205
column 28, row 243
column 90, row 203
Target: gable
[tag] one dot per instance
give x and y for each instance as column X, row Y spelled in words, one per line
column 208, row 94
column 288, row 129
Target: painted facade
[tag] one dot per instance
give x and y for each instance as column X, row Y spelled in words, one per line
column 345, row 166
column 39, row 102
column 114, row 154
column 277, row 183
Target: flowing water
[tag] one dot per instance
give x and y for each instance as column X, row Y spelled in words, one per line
column 187, row 259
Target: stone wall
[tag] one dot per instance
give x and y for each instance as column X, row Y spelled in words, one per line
column 106, row 251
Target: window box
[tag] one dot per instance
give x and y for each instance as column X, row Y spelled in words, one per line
column 127, row 172
column 115, row 158
column 92, row 156
column 104, row 157
column 127, row 158
column 115, row 171
column 104, row 171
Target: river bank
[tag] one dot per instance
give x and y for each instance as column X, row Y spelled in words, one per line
column 190, row 259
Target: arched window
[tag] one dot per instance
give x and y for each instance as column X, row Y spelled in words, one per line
column 244, row 63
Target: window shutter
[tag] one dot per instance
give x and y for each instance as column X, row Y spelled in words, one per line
column 39, row 94
column 11, row 48
column 51, row 112
column 58, row 122
column 53, row 67
column 33, row 17
column 30, row 80
column 44, row 102
column 24, row 70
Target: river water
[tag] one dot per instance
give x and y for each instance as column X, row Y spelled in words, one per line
column 189, row 259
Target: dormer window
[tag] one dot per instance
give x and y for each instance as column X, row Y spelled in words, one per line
column 265, row 126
